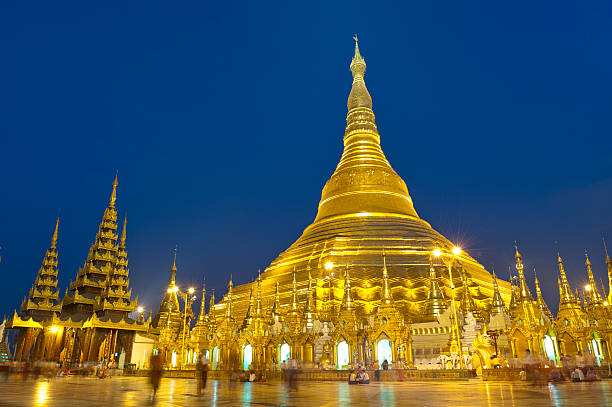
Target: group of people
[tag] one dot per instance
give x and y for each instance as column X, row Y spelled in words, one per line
column 579, row 370
column 359, row 377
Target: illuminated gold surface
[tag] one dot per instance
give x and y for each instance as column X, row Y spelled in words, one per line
column 365, row 209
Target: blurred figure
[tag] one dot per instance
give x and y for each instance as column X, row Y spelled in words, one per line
column 577, row 375
column 202, row 367
column 292, row 367
column 385, row 365
column 591, row 376
column 377, row 371
column 157, row 369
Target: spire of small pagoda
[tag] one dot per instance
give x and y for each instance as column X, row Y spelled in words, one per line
column 258, row 309
column 275, row 313
column 294, row 296
column 347, row 301
column 113, row 197
column 497, row 304
column 514, row 297
column 595, row 299
column 202, row 315
column 436, row 304
column 212, row 315
column 173, row 269
column 524, row 292
column 92, row 278
column 387, row 297
column 230, row 299
column 540, row 299
column 117, row 295
column 565, row 291
column 248, row 317
column 609, row 266
column 43, row 297
column 467, row 301
column 310, row 309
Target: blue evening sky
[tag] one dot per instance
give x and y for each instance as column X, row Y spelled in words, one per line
column 225, row 119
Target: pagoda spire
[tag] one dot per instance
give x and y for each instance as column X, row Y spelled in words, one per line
column 212, row 315
column 43, row 297
column 609, row 266
column 294, row 296
column 113, row 197
column 467, row 301
column 92, row 279
column 310, row 308
column 540, row 299
column 173, row 269
column 202, row 315
column 276, row 311
column 54, row 237
column 524, row 293
column 230, row 299
column 595, row 298
column 248, row 317
column 565, row 291
column 258, row 309
column 497, row 304
column 363, row 167
column 387, row 297
column 436, row 304
column 347, row 301
column 116, row 298
column 514, row 298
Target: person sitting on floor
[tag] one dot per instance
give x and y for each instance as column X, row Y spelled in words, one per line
column 577, row 375
column 352, row 377
column 365, row 378
column 591, row 376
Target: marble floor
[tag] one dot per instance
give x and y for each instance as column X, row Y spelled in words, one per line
column 120, row 391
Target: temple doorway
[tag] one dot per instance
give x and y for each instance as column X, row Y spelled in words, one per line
column 343, row 354
column 384, row 351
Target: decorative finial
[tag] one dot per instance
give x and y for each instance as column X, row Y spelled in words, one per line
column 124, row 231
column 54, row 238
column 605, row 247
column 113, row 197
column 174, row 262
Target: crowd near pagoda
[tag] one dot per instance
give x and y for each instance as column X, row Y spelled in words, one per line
column 367, row 281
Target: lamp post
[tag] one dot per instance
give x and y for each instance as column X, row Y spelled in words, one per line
column 140, row 313
column 187, row 298
column 449, row 259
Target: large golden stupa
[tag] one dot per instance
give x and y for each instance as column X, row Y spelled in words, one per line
column 365, row 214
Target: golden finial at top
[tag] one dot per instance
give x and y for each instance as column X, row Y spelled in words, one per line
column 113, row 197
column 124, row 231
column 54, row 238
column 359, row 96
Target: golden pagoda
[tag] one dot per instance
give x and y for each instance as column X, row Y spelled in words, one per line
column 365, row 208
column 366, row 254
column 101, row 285
column 42, row 301
column 92, row 322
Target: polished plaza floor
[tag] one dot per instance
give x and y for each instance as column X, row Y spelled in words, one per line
column 119, row 391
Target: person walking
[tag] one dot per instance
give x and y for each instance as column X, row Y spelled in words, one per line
column 157, row 369
column 203, row 367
